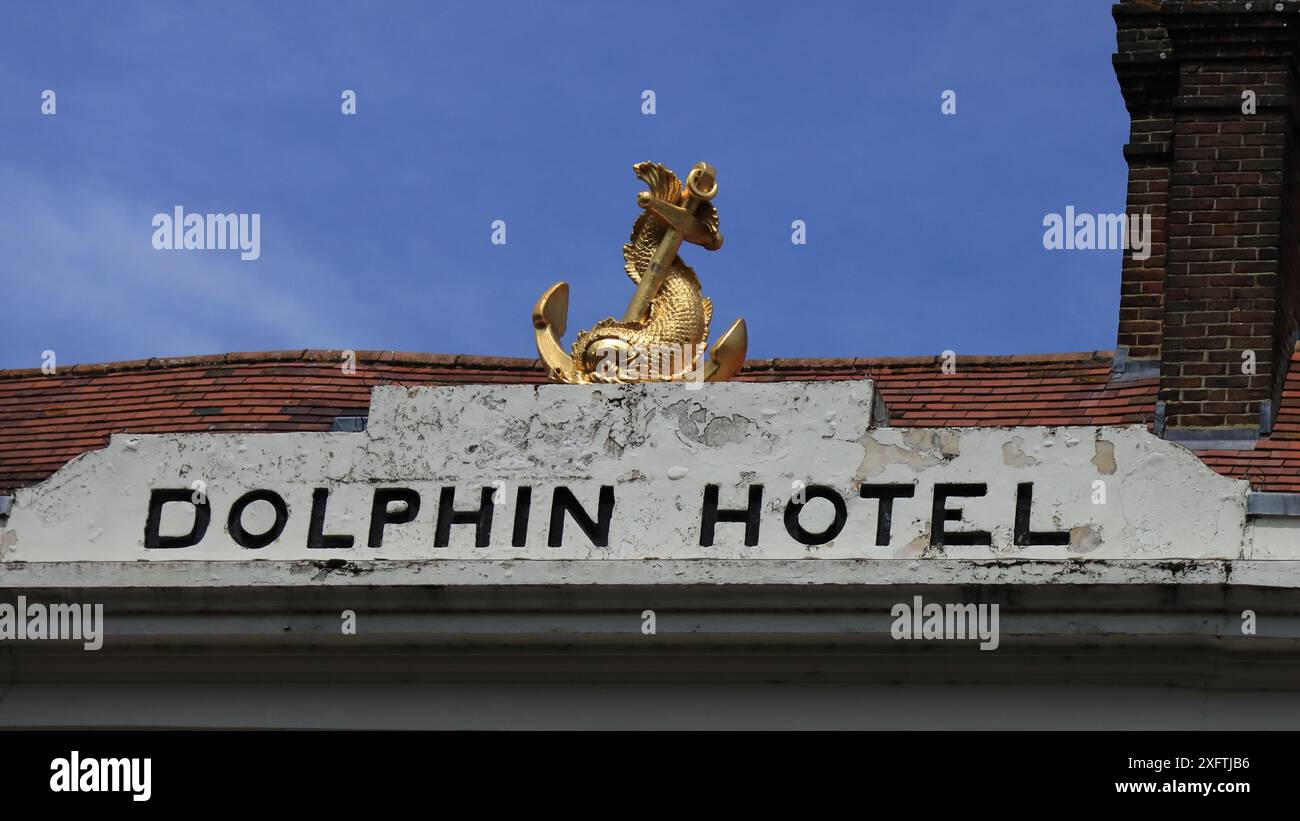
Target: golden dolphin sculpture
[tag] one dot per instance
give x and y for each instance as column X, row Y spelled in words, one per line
column 666, row 325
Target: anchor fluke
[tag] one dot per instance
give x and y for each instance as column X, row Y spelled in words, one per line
column 550, row 318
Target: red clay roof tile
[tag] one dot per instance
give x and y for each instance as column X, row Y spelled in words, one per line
column 47, row 420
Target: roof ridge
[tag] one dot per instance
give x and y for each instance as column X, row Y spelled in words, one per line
column 519, row 363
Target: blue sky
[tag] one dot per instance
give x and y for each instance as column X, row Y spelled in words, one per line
column 924, row 231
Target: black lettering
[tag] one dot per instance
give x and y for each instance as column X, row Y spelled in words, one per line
column 316, row 538
column 1025, row 536
column 563, row 501
column 523, row 501
column 380, row 515
column 885, row 511
column 448, row 516
column 161, row 496
column 235, row 523
column 710, row 515
column 793, row 509
column 941, row 513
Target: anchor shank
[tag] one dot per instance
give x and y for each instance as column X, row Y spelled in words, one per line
column 638, row 310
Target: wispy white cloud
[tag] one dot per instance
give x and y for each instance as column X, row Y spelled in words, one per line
column 80, row 276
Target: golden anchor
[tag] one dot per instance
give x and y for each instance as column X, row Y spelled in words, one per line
column 666, row 325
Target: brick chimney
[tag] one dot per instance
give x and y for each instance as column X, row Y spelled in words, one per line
column 1212, row 154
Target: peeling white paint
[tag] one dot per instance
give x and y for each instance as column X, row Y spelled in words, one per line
column 1013, row 453
column 1104, row 457
column 657, row 446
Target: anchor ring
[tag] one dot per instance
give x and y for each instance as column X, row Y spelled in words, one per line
column 702, row 174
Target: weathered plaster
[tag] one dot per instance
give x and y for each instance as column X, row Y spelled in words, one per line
column 657, row 446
